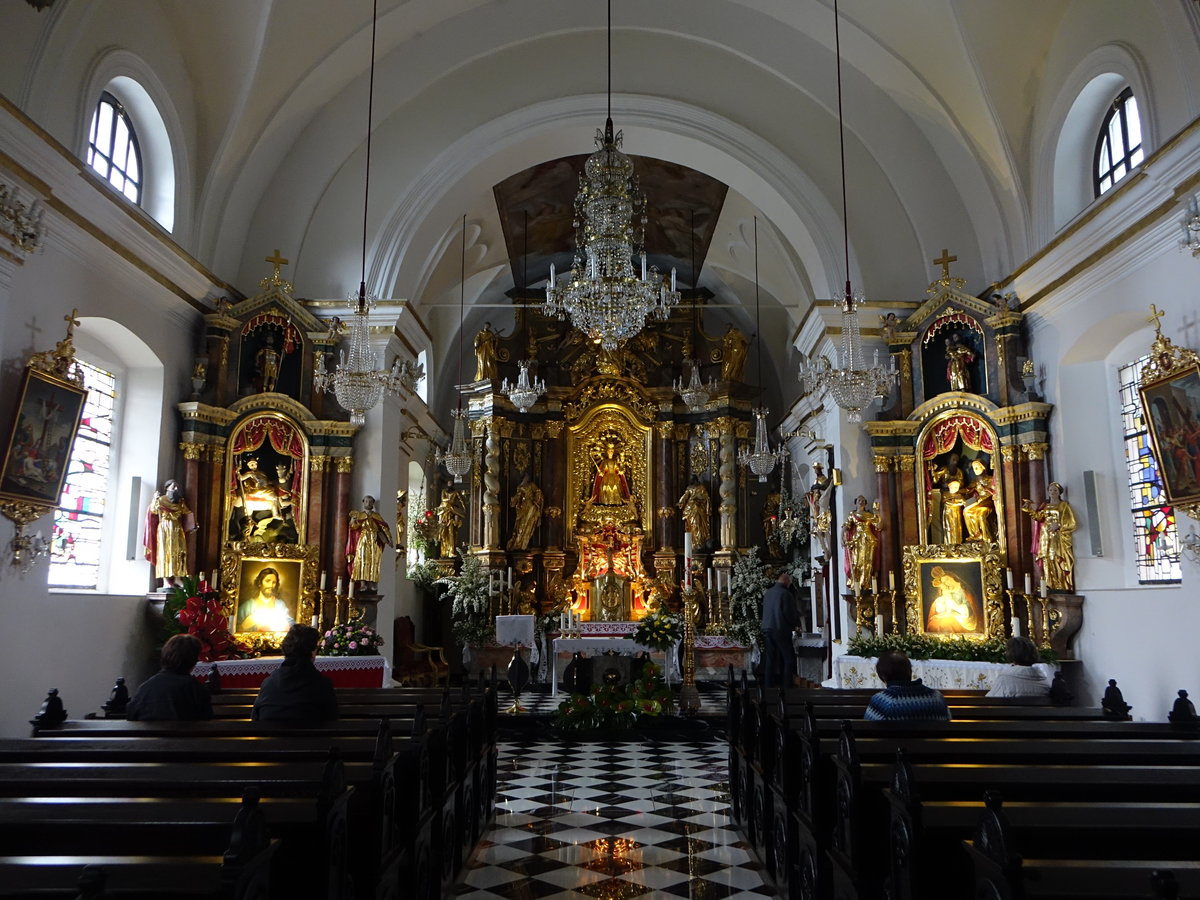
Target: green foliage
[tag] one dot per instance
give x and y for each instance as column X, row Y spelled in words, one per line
column 423, row 574
column 748, row 581
column 471, row 595
column 924, row 646
column 613, row 707
column 174, row 604
column 659, row 630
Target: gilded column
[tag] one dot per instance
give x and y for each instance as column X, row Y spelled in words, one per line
column 908, row 512
column 340, row 514
column 491, row 485
column 553, row 484
column 727, row 492
column 887, row 518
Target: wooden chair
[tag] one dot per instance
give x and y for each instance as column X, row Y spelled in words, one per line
column 415, row 663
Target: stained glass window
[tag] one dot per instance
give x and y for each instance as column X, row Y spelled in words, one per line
column 75, row 545
column 1119, row 144
column 1156, row 540
column 113, row 149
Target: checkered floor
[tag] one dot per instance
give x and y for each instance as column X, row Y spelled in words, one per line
column 613, row 820
column 536, row 700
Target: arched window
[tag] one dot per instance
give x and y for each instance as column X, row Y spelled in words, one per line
column 1155, row 536
column 1119, row 144
column 113, row 149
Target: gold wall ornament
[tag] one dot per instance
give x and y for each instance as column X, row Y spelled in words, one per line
column 616, row 390
column 60, row 362
column 193, row 450
column 554, row 427
column 1008, row 452
column 343, row 465
column 883, row 464
column 665, row 512
column 249, row 601
column 906, row 463
column 521, row 456
column 319, row 463
column 1035, row 450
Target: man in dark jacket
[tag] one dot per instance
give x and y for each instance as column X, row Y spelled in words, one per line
column 296, row 691
column 173, row 694
column 779, row 620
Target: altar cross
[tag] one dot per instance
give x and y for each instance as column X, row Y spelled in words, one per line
column 1155, row 315
column 276, row 260
column 72, row 320
column 944, row 261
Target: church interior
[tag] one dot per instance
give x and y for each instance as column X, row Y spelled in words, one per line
column 609, row 312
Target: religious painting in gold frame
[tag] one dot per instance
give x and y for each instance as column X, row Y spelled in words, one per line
column 43, row 434
column 265, row 588
column 954, row 590
column 266, row 480
column 1171, row 408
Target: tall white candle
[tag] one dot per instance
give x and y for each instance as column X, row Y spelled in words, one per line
column 710, row 580
column 874, row 585
column 216, row 572
column 815, row 603
column 324, row 575
column 510, row 578
column 314, row 621
column 1016, row 626
column 1028, row 584
column 351, row 588
column 891, row 581
column 879, row 626
column 1043, row 590
column 338, row 592
column 687, row 558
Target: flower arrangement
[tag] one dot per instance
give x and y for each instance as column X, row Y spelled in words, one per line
column 923, row 646
column 615, row 707
column 423, row 574
column 748, row 581
column 190, row 610
column 423, row 528
column 471, row 594
column 659, row 630
column 350, row 639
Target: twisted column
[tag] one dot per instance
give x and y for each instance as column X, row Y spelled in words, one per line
column 491, row 486
column 727, row 492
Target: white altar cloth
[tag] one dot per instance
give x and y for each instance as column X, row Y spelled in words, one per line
column 566, row 648
column 859, row 672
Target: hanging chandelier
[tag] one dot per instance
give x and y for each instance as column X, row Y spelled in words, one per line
column 602, row 296
column 852, row 385
column 762, row 460
column 526, row 391
column 357, row 383
column 695, row 393
column 458, row 458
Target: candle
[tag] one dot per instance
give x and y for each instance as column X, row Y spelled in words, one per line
column 203, row 586
column 324, row 575
column 687, row 559
column 1008, row 578
column 710, row 581
column 229, row 624
column 1028, row 584
column 338, row 591
column 874, row 585
column 1016, row 626
column 314, row 621
column 510, row 578
column 351, row 594
column 891, row 581
column 216, row 572
column 1043, row 590
column 878, row 625
column 672, row 278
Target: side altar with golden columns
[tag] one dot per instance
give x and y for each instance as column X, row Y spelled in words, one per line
column 964, row 483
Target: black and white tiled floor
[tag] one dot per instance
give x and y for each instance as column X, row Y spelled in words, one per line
column 613, row 820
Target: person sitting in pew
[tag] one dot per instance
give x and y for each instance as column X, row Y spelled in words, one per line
column 903, row 699
column 296, row 691
column 173, row 694
column 1020, row 679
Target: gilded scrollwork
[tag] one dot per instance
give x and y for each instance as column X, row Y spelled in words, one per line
column 611, row 389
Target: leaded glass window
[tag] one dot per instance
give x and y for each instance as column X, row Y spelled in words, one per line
column 113, row 148
column 1119, row 144
column 1156, row 540
column 79, row 519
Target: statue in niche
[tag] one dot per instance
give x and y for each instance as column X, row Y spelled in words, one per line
column 977, row 512
column 734, row 360
column 262, row 507
column 267, row 364
column 694, row 507
column 610, row 487
column 450, row 515
column 770, row 524
column 485, row 353
column 860, row 536
column 958, row 360
column 818, row 507
column 368, row 535
column 1054, row 539
column 527, row 500
column 953, row 501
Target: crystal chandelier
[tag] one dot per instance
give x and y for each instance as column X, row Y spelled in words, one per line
column 762, row 460
column 602, row 296
column 695, row 393
column 458, row 458
column 356, row 382
column 526, row 391
column 852, row 385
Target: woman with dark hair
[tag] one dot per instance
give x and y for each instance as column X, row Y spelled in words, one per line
column 173, row 693
column 1020, row 679
column 296, row 691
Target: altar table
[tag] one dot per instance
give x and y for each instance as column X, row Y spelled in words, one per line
column 859, row 672
column 566, row 648
column 343, row 671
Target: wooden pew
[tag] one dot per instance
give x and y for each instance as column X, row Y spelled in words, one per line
column 1002, row 873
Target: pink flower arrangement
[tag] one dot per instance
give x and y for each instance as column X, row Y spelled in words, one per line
column 350, row 639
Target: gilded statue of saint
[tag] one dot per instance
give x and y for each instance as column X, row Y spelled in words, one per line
column 694, row 508
column 527, row 500
column 734, row 360
column 368, row 535
column 860, row 536
column 485, row 353
column 977, row 513
column 1054, row 538
column 450, row 514
column 168, row 519
column 610, row 487
column 267, row 362
column 770, row 524
column 958, row 358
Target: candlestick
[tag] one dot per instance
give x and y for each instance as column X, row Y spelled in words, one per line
column 1008, row 578
column 324, row 575
column 1028, row 584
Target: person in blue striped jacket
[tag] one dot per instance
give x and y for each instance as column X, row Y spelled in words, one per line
column 904, row 700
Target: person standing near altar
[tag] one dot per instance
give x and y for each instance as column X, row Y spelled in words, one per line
column 527, row 500
column 369, row 534
column 780, row 618
column 168, row 519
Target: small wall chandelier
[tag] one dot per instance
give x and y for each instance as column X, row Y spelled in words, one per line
column 852, row 385
column 695, row 393
column 526, row 391
column 459, row 458
column 602, row 296
column 762, row 460
column 356, row 382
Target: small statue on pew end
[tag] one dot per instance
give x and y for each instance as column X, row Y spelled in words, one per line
column 1164, row 885
column 1060, row 694
column 52, row 714
column 1183, row 712
column 114, row 707
column 1114, row 703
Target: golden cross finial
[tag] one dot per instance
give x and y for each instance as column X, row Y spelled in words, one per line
column 1155, row 315
column 276, row 260
column 276, row 280
column 72, row 321
column 944, row 261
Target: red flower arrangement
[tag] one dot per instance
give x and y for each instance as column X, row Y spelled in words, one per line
column 191, row 610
